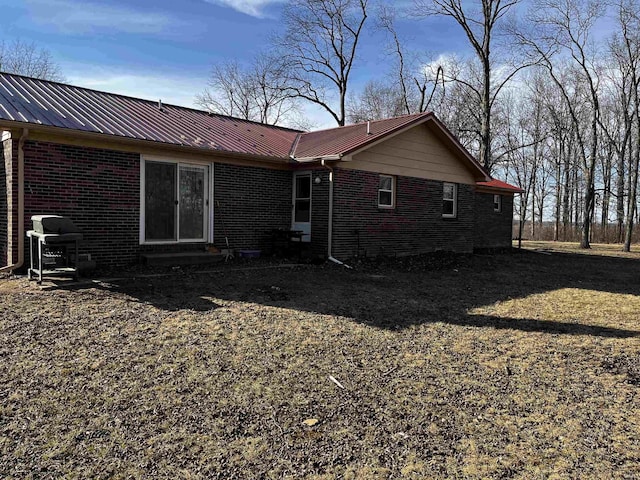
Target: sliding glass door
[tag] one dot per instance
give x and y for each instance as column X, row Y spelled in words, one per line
column 176, row 202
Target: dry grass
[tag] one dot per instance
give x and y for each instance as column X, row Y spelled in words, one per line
column 507, row 366
column 599, row 249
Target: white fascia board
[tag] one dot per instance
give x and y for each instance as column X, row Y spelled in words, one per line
column 317, row 159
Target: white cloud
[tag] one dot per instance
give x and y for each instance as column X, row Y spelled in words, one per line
column 447, row 61
column 254, row 8
column 171, row 89
column 74, row 17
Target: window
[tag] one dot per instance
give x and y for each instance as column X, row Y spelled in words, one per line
column 449, row 200
column 302, row 199
column 497, row 203
column 386, row 191
column 174, row 202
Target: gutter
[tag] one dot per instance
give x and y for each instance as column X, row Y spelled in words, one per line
column 330, row 216
column 20, row 262
column 315, row 159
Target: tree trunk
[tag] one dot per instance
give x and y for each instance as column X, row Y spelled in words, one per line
column 485, row 127
column 633, row 185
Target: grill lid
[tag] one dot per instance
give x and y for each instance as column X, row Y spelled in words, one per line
column 53, row 224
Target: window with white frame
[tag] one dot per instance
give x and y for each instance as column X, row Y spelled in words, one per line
column 497, row 203
column 174, row 201
column 449, row 200
column 386, row 191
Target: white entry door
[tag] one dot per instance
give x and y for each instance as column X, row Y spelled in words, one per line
column 301, row 218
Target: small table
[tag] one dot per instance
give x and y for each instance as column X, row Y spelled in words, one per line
column 287, row 241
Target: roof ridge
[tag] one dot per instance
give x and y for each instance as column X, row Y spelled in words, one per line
column 119, row 95
column 416, row 115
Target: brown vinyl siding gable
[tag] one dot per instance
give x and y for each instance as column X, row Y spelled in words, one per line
column 418, row 153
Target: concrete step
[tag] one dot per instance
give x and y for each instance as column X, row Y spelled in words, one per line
column 181, row 258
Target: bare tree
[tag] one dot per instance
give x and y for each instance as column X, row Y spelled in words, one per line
column 564, row 27
column 376, row 101
column 255, row 92
column 230, row 92
column 618, row 121
column 417, row 81
column 27, row 59
column 319, row 48
column 479, row 27
column 629, row 21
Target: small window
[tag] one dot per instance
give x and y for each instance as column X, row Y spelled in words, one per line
column 386, row 191
column 449, row 200
column 497, row 203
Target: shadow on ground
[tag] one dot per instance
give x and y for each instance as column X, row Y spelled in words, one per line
column 398, row 294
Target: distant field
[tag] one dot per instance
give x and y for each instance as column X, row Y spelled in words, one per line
column 523, row 365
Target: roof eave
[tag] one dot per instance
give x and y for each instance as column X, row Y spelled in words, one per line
column 486, row 189
column 327, row 158
column 67, row 132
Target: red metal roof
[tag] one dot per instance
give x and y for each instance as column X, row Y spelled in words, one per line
column 349, row 139
column 344, row 140
column 499, row 185
column 39, row 102
column 32, row 101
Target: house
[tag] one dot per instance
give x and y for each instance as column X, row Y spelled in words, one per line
column 140, row 176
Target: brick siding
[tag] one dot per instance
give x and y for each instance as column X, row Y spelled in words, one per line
column 414, row 226
column 249, row 203
column 320, row 212
column 492, row 229
column 98, row 189
column 5, row 152
column 9, row 202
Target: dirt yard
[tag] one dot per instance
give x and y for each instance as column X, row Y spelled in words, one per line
column 523, row 365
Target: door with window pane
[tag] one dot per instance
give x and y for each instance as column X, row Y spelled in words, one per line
column 302, row 204
column 191, row 204
column 176, row 202
column 161, row 203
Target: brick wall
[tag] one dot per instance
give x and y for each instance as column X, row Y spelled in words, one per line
column 98, row 189
column 9, row 202
column 320, row 212
column 492, row 229
column 414, row 226
column 5, row 156
column 249, row 202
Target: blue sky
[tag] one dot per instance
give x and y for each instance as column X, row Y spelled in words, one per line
column 165, row 49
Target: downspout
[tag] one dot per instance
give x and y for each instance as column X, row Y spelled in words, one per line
column 330, row 219
column 20, row 262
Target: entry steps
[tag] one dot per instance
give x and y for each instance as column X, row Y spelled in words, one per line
column 181, row 258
